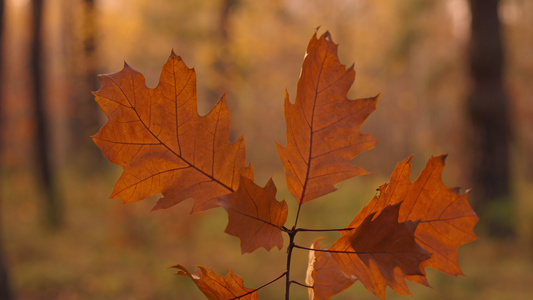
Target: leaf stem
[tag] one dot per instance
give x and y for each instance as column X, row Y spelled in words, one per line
column 301, row 284
column 323, row 230
column 257, row 289
column 337, row 251
column 297, row 215
column 310, row 249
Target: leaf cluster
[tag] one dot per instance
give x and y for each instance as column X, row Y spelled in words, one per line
column 165, row 146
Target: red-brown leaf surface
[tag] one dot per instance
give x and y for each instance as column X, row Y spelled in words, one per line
column 323, row 133
column 381, row 251
column 324, row 275
column 446, row 218
column 255, row 216
column 162, row 143
column 217, row 287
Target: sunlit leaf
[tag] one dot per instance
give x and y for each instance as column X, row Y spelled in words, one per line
column 323, row 125
column 162, row 143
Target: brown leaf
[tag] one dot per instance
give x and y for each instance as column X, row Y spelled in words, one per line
column 324, row 275
column 217, row 287
column 446, row 218
column 255, row 216
column 323, row 125
column 381, row 251
column 162, row 143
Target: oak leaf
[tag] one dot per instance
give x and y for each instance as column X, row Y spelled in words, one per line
column 165, row 146
column 324, row 275
column 217, row 287
column 323, row 125
column 255, row 216
column 381, row 251
column 446, row 219
column 162, row 143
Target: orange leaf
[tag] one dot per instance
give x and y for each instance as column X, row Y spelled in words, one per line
column 446, row 218
column 217, row 287
column 324, row 275
column 323, row 133
column 162, row 143
column 381, row 252
column 255, row 216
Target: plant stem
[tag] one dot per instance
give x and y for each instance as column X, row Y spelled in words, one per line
column 292, row 234
column 297, row 215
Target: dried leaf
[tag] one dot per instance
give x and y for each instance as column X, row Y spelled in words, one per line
column 324, row 275
column 446, row 218
column 162, row 143
column 255, row 216
column 323, row 125
column 217, row 287
column 381, row 251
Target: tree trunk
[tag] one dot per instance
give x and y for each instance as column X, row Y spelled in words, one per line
column 489, row 116
column 87, row 114
column 223, row 62
column 52, row 206
column 5, row 290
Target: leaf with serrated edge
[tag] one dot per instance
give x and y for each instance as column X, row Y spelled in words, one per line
column 255, row 216
column 162, row 143
column 381, row 251
column 446, row 218
column 323, row 125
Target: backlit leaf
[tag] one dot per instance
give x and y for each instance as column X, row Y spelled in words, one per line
column 445, row 217
column 323, row 125
column 162, row 143
column 381, row 251
column 255, row 216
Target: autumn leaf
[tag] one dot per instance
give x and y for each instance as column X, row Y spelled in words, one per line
column 323, row 125
column 446, row 218
column 165, row 146
column 216, row 287
column 324, row 275
column 381, row 251
column 162, row 143
column 255, row 216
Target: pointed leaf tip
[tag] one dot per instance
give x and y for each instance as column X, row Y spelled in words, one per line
column 443, row 158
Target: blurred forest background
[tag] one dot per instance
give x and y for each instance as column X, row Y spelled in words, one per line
column 456, row 77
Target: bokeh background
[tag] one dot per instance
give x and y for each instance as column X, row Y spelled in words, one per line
column 61, row 238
